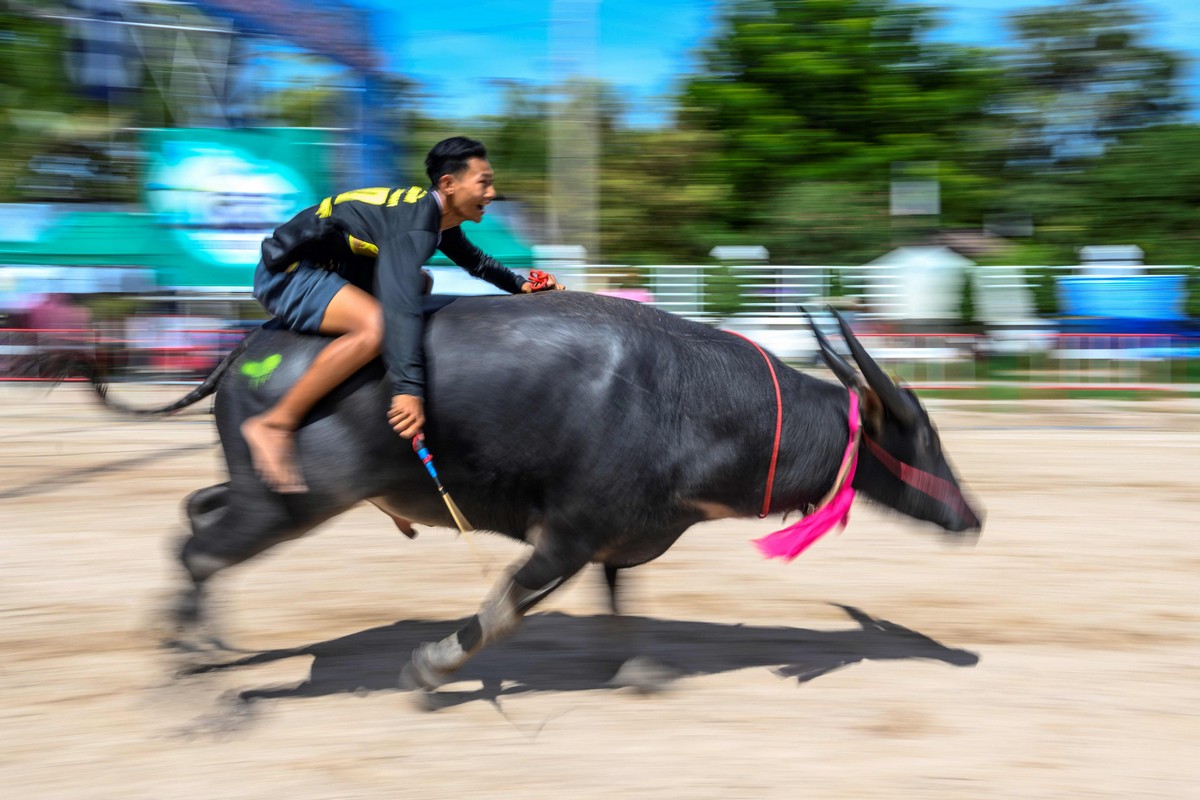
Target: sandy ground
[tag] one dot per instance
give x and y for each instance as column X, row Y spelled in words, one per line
column 1059, row 658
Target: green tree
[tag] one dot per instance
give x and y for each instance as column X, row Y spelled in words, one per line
column 1146, row 191
column 808, row 98
column 39, row 112
column 825, row 222
column 1083, row 78
column 518, row 141
column 834, row 89
column 661, row 200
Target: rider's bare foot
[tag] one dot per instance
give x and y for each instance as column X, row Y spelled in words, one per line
column 273, row 452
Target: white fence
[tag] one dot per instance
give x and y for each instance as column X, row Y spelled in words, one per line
column 1001, row 294
column 762, row 302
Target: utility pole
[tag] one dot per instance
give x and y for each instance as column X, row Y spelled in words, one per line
column 574, row 147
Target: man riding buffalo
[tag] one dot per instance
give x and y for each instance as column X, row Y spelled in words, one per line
column 350, row 268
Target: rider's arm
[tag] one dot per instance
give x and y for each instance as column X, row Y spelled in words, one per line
column 398, row 285
column 458, row 248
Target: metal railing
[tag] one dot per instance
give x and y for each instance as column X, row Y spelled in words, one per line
column 761, row 301
column 1054, row 361
column 188, row 354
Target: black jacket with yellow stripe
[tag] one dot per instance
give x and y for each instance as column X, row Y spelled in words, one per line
column 398, row 230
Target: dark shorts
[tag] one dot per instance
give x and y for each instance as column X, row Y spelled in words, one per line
column 298, row 299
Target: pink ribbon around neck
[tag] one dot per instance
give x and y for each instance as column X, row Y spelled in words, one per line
column 834, row 511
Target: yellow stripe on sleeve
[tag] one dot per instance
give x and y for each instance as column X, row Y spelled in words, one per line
column 361, row 248
column 376, row 196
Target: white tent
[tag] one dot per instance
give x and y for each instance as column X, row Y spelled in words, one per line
column 922, row 283
column 926, row 283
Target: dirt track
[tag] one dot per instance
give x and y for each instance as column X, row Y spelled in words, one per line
column 1060, row 658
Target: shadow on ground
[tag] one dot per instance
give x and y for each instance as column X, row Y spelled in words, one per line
column 556, row 652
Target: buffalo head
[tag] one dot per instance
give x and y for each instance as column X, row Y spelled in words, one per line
column 901, row 463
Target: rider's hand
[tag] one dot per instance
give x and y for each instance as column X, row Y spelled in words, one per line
column 546, row 283
column 407, row 415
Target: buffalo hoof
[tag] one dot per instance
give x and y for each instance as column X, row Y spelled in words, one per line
column 428, row 700
column 418, row 674
column 178, row 621
column 644, row 675
column 186, row 608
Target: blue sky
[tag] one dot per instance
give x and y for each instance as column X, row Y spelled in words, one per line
column 640, row 47
column 456, row 50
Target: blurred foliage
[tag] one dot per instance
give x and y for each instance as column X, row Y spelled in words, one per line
column 48, row 134
column 656, row 205
column 1145, row 190
column 838, row 91
column 1045, row 292
column 723, row 295
column 1191, row 304
column 1083, row 78
column 110, row 307
column 517, row 141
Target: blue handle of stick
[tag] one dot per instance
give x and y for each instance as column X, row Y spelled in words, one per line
column 418, row 444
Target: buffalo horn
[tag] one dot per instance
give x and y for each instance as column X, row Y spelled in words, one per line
column 891, row 396
column 845, row 373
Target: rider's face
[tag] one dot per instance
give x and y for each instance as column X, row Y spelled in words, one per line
column 469, row 192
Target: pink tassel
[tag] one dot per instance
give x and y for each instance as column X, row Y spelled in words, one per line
column 796, row 538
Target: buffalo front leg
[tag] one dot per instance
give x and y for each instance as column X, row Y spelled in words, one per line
column 510, row 599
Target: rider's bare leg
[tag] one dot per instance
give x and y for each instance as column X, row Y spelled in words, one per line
column 355, row 318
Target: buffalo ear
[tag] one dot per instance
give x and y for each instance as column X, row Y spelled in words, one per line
column 872, row 411
column 844, row 372
column 896, row 401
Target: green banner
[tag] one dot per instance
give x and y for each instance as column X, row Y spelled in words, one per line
column 210, row 196
column 217, row 193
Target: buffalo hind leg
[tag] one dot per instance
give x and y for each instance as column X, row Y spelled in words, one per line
column 206, row 510
column 227, row 528
column 641, row 672
column 552, row 564
column 612, row 581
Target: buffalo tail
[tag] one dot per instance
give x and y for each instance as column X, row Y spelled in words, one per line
column 206, row 387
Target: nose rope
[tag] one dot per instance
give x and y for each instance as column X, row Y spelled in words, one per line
column 937, row 488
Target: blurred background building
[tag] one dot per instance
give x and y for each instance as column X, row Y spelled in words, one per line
column 1008, row 184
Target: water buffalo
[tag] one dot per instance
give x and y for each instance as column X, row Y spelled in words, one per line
column 595, row 429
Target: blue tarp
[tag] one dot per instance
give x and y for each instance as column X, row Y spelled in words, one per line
column 1147, row 297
